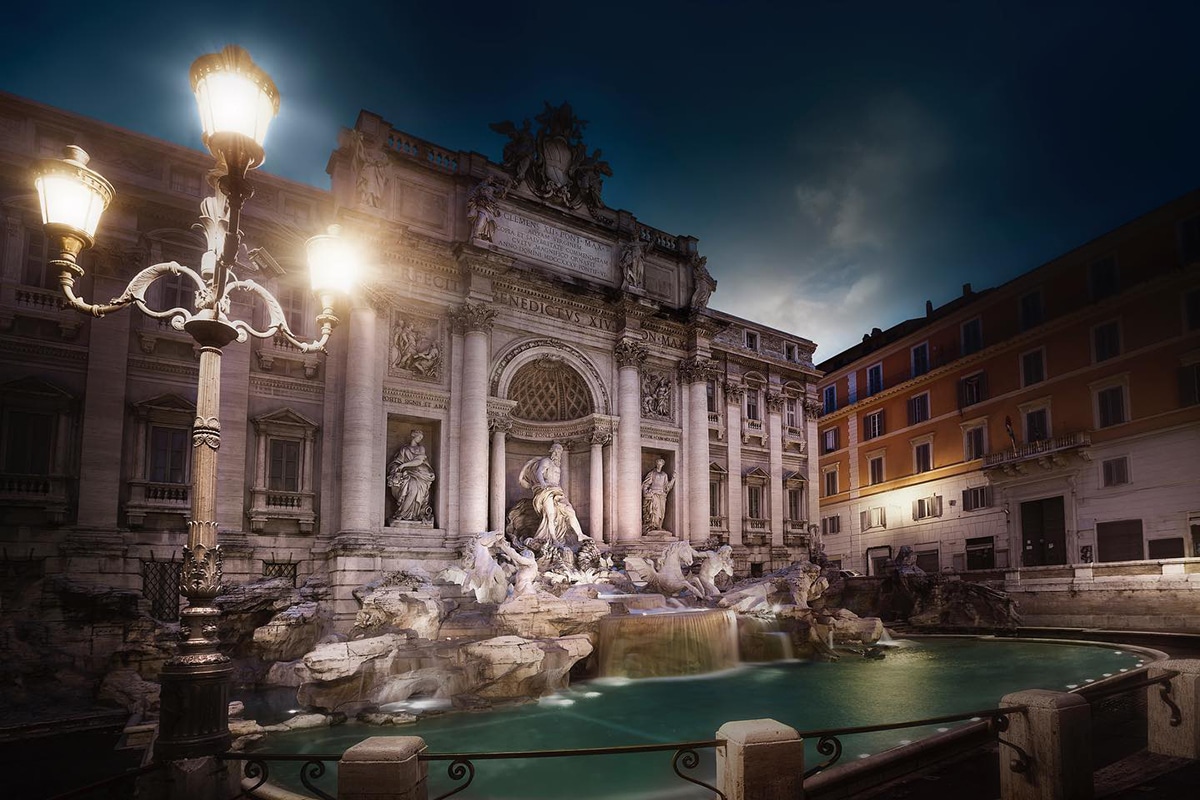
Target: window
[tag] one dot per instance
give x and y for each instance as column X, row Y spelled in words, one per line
column 981, row 553
column 294, row 302
column 974, row 442
column 830, row 399
column 927, row 507
column 1102, row 278
column 168, row 454
column 1106, row 341
column 972, row 389
column 1189, row 384
column 1033, row 367
column 1115, row 471
column 283, row 473
column 299, row 212
column 831, row 525
column 160, row 587
column 1191, row 310
column 920, row 359
column 851, row 387
column 789, row 412
column 280, row 569
column 710, row 395
column 754, row 502
column 789, row 351
column 1031, row 309
column 1119, row 540
column 918, row 408
column 35, row 272
column 976, row 498
column 1189, row 240
column 185, row 182
column 829, row 440
column 177, row 291
column 831, row 482
column 752, row 404
column 28, row 442
column 752, row 340
column 874, row 379
column 923, row 457
column 873, row 425
column 875, row 468
column 1037, row 425
column 928, row 560
column 714, row 499
column 972, row 336
column 1110, row 406
column 873, row 518
column 794, row 505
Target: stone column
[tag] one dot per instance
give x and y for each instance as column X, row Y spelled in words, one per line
column 695, row 373
column 500, row 425
column 762, row 760
column 629, row 355
column 599, row 438
column 454, row 434
column 1055, row 730
column 734, row 394
column 812, row 451
column 476, row 324
column 362, row 480
column 774, row 402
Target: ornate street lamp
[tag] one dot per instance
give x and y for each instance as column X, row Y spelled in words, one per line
column 237, row 101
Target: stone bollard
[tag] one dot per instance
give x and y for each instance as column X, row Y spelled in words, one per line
column 1182, row 740
column 762, row 760
column 1056, row 731
column 383, row 768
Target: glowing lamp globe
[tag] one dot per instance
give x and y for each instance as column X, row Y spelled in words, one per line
column 237, row 101
column 332, row 263
column 72, row 198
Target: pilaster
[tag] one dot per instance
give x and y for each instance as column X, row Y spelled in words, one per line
column 629, row 356
column 774, row 402
column 734, row 394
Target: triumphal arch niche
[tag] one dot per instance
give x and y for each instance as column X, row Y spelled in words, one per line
column 516, row 316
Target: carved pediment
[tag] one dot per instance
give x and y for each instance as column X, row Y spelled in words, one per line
column 284, row 417
column 34, row 387
column 166, row 402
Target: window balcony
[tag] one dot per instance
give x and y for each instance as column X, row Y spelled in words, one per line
column 1047, row 453
column 48, row 492
column 753, row 427
column 797, row 534
column 794, row 436
column 718, row 523
column 715, row 423
column 273, row 504
column 752, row 538
column 147, row 497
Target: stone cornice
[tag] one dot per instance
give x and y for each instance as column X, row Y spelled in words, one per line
column 597, row 307
column 277, row 387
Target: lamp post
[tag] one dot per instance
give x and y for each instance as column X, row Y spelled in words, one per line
column 237, row 101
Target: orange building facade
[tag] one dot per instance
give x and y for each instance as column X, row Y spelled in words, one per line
column 1052, row 420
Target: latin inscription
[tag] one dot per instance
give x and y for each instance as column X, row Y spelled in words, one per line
column 532, row 305
column 565, row 249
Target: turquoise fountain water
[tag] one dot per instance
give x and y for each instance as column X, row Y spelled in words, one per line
column 917, row 679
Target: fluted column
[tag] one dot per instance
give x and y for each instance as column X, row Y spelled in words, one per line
column 734, row 393
column 629, row 356
column 476, row 324
column 361, row 479
column 500, row 425
column 775, row 454
column 599, row 438
column 695, row 373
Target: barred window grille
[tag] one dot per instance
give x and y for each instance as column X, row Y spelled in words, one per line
column 280, row 569
column 160, row 586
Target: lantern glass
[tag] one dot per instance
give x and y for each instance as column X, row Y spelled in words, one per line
column 332, row 263
column 234, row 95
column 71, row 195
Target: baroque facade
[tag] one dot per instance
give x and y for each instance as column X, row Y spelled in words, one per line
column 1051, row 421
column 505, row 308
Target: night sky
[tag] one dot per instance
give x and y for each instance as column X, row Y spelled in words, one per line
column 840, row 162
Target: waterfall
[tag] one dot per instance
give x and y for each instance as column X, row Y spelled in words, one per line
column 665, row 644
column 761, row 639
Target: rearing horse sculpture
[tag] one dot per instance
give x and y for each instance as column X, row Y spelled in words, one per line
column 670, row 579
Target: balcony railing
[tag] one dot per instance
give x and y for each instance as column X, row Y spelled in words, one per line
column 268, row 504
column 151, row 497
column 719, row 523
column 1042, row 448
column 48, row 492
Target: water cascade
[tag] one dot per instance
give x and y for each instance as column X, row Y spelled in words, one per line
column 762, row 639
column 664, row 644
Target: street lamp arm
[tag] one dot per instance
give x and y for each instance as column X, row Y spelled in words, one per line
column 134, row 293
column 277, row 323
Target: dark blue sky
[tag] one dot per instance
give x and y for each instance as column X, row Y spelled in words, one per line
column 841, row 162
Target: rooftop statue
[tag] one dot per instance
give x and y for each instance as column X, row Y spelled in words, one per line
column 554, row 163
column 483, row 206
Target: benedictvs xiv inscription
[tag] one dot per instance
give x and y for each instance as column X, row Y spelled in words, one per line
column 573, row 252
column 555, row 311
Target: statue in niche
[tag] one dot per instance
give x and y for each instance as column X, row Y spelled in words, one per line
column 715, row 562
column 633, row 265
column 656, row 396
column 371, row 168
column 409, row 478
column 483, row 207
column 415, row 351
column 704, row 284
column 558, row 526
column 655, row 487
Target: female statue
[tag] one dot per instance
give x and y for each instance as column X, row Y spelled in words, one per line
column 409, row 478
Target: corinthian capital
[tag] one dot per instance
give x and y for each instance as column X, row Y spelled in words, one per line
column 629, row 353
column 472, row 317
column 775, row 401
column 695, row 370
column 734, row 392
column 812, row 408
column 499, row 421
